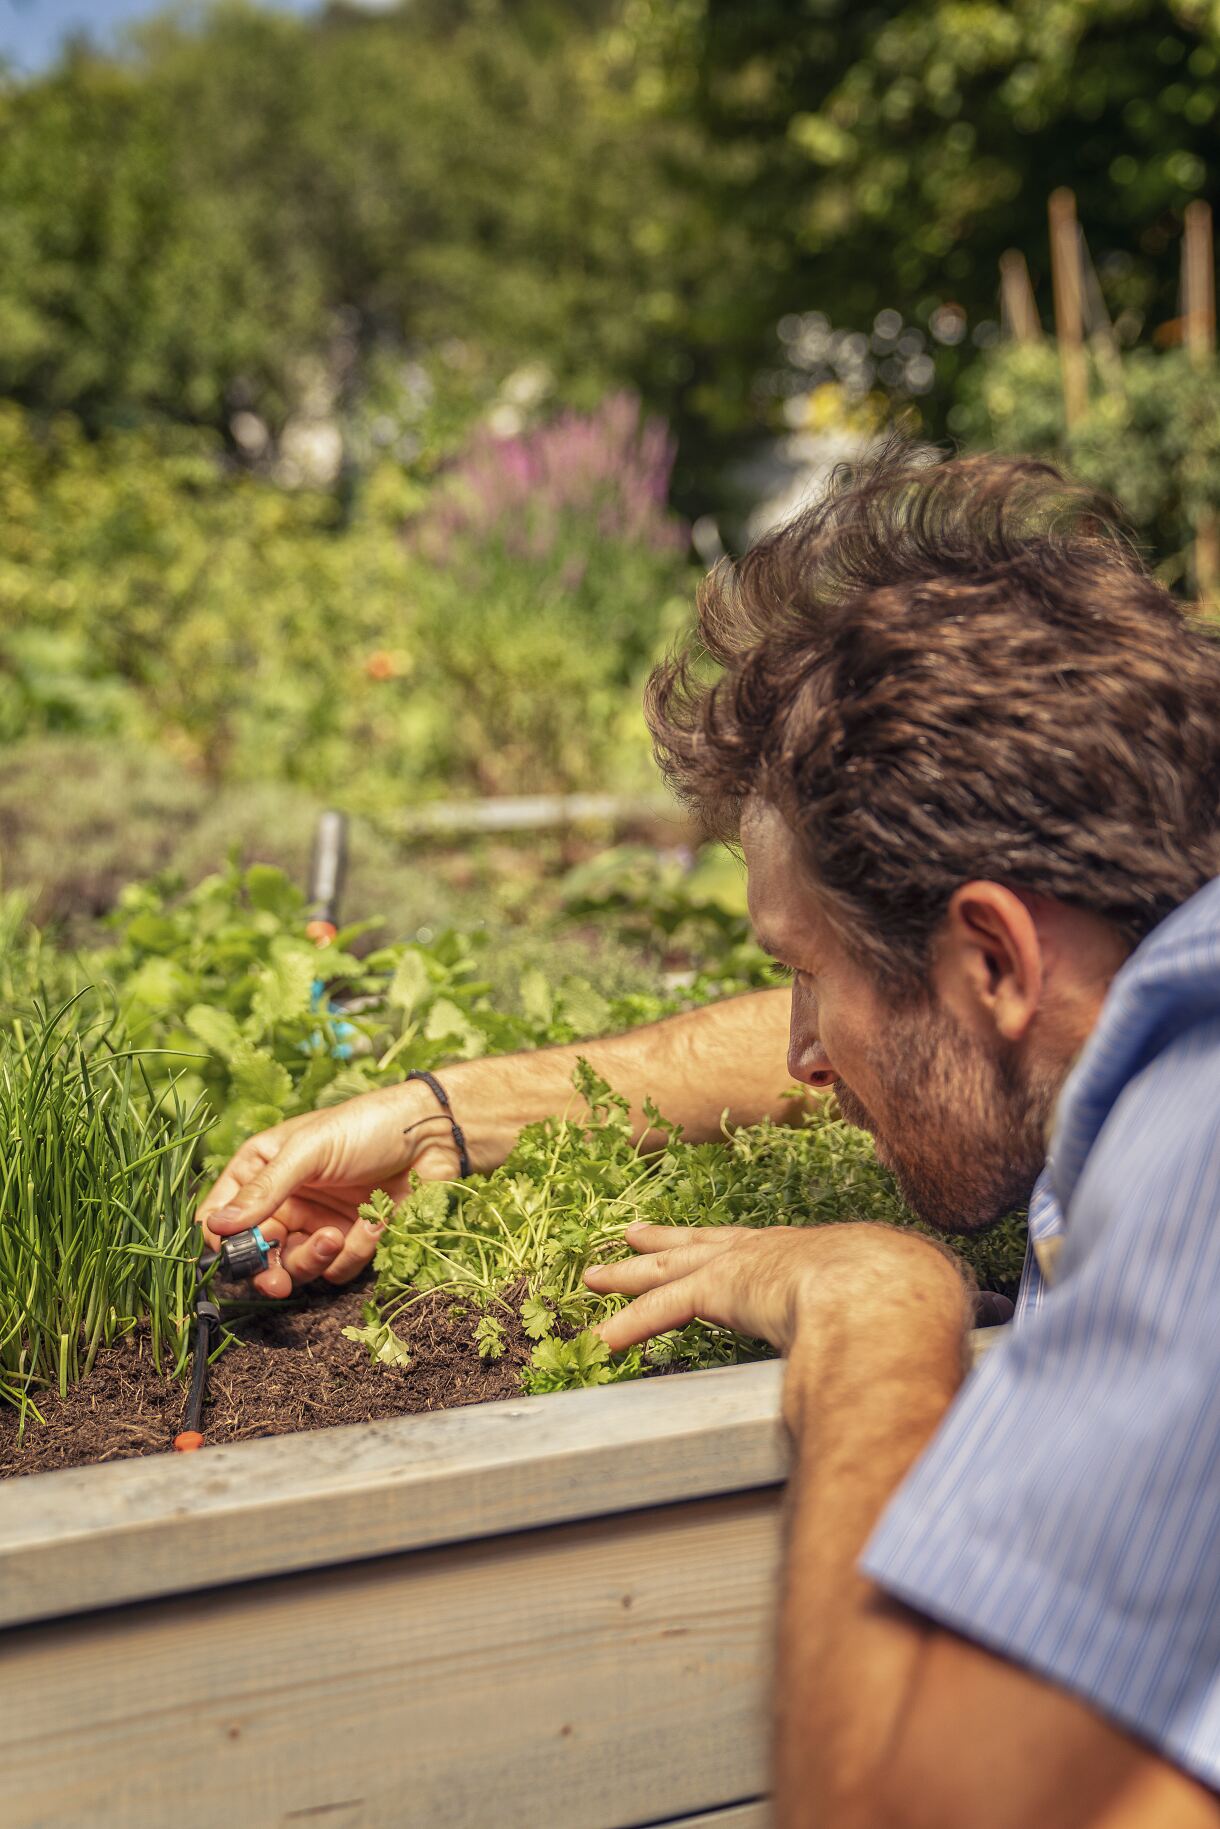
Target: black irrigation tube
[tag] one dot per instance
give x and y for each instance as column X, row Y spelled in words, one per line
column 207, row 1333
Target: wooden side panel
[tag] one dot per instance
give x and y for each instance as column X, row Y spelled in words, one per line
column 94, row 1536
column 606, row 1674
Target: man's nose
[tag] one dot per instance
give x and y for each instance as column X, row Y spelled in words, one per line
column 810, row 1065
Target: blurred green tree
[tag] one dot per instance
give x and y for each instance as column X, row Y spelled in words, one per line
column 894, row 151
column 630, row 192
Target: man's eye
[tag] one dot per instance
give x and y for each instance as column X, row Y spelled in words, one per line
column 784, row 973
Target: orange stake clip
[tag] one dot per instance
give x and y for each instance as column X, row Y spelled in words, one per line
column 188, row 1441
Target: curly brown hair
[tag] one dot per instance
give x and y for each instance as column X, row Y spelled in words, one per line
column 952, row 669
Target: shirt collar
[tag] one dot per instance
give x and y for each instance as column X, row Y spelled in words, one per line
column 1170, row 983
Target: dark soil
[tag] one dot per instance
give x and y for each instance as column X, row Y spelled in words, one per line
column 290, row 1369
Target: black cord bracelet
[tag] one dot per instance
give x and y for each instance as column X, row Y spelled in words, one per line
column 430, row 1080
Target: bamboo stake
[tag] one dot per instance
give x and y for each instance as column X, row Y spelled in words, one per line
column 1019, row 307
column 1198, row 284
column 1199, row 336
column 1069, row 305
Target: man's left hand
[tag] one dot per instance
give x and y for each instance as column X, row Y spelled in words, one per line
column 766, row 1283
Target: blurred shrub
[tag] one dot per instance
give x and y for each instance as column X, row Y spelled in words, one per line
column 270, row 635
column 51, row 680
column 80, row 817
column 688, row 914
column 1151, row 438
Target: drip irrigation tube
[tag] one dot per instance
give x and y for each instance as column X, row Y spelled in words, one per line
column 207, row 1332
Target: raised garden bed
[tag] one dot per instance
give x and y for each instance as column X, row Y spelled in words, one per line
column 545, row 1607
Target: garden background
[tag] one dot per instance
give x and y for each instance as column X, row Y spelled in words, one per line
column 374, row 386
column 364, row 375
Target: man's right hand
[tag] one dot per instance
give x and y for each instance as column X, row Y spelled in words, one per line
column 304, row 1180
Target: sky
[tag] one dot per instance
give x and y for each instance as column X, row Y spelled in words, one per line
column 31, row 31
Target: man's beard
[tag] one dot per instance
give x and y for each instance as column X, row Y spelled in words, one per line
column 964, row 1131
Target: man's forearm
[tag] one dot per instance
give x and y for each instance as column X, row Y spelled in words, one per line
column 730, row 1055
column 861, row 1403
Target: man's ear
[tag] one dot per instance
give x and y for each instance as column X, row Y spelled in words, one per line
column 990, row 959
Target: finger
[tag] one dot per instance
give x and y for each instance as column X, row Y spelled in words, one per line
column 359, row 1250
column 274, row 1280
column 246, row 1162
column 632, row 1275
column 219, row 1195
column 668, row 1306
column 306, row 1255
column 642, row 1235
column 307, row 1213
column 266, row 1190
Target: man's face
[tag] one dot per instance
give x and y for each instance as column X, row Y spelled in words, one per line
column 955, row 1118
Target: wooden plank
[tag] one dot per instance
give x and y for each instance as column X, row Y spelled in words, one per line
column 1019, row 307
column 1069, row 305
column 92, row 1536
column 609, row 1673
column 1198, row 284
column 1199, row 335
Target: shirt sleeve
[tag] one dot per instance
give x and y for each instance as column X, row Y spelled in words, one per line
column 1067, row 1513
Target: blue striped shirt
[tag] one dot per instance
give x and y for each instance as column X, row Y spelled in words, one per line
column 1067, row 1513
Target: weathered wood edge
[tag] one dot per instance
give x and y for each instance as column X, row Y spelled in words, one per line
column 91, row 1537
column 753, row 1815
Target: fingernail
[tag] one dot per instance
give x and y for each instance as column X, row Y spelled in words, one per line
column 326, row 1248
column 374, row 1227
column 594, row 1270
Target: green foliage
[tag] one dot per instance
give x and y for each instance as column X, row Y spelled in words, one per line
column 240, row 1005
column 256, row 200
column 489, row 1338
column 691, row 915
column 895, row 153
column 50, row 681
column 522, row 1237
column 384, row 1345
column 82, row 817
column 97, row 1230
column 1151, row 437
column 264, row 635
column 398, row 215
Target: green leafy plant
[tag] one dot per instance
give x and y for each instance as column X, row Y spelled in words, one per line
column 517, row 1241
column 384, row 1345
column 242, row 1006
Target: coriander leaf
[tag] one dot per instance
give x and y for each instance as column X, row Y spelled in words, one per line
column 536, row 1318
column 384, row 1345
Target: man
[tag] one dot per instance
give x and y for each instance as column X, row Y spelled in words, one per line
column 972, row 753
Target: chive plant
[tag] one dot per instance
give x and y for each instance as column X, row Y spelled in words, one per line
column 97, row 1233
